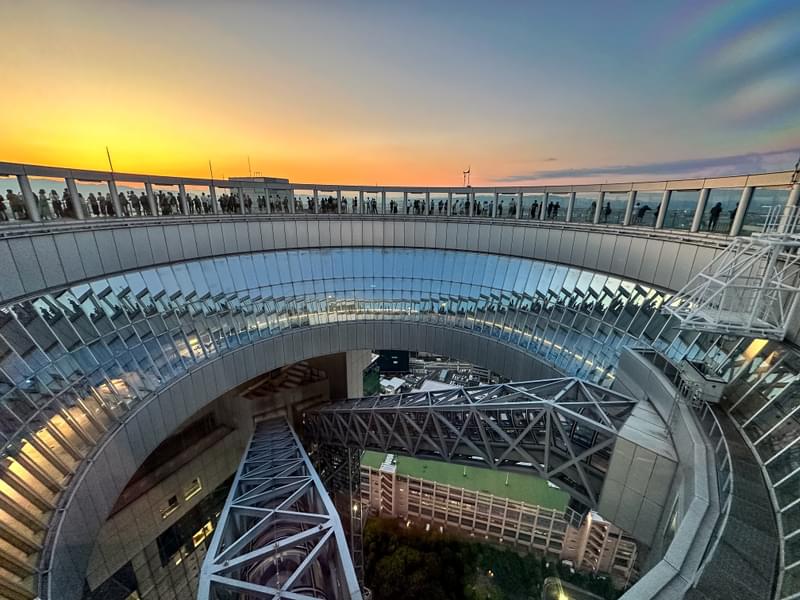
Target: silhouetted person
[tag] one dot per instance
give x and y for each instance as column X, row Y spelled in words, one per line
column 714, row 216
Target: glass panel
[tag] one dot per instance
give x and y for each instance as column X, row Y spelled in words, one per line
column 12, row 205
column 95, row 198
column 198, row 199
column 556, row 209
column 167, row 199
column 532, row 205
column 613, row 210
column 349, row 202
column 507, row 206
column 585, row 207
column 681, row 209
column 327, row 201
column 460, row 204
column 416, row 204
column 135, row 198
column 483, row 204
column 762, row 202
column 49, row 192
column 303, row 201
column 645, row 209
column 279, row 201
column 438, row 204
column 394, row 203
column 720, row 210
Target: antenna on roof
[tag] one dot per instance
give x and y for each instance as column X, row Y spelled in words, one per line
column 249, row 168
column 108, row 154
column 466, row 176
column 210, row 170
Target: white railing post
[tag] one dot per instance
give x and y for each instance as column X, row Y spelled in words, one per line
column 449, row 203
column 629, row 208
column 75, row 199
column 212, row 191
column 519, row 206
column 741, row 210
column 28, row 198
column 183, row 199
column 570, row 206
column 598, row 209
column 702, row 200
column 543, row 207
column 662, row 209
column 112, row 189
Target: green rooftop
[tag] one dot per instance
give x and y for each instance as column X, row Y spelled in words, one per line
column 523, row 488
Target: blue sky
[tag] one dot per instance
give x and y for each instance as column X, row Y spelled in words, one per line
column 405, row 92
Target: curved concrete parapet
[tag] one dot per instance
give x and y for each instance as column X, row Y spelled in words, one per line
column 44, row 257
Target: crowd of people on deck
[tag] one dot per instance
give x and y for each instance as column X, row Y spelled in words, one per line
column 53, row 205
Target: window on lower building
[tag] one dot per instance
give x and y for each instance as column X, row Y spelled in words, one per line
column 170, row 507
column 194, row 488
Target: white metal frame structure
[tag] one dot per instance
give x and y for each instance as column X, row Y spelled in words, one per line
column 279, row 535
column 562, row 430
column 750, row 289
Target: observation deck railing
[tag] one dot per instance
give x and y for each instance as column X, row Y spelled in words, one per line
column 730, row 206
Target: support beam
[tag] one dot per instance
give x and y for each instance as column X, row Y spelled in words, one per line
column 278, row 508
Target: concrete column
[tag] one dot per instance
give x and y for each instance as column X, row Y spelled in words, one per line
column 383, row 201
column 316, row 201
column 361, row 202
column 543, row 209
column 292, row 207
column 338, row 202
column 112, row 189
column 357, row 361
column 741, row 209
column 494, row 205
column 662, row 210
column 788, row 220
column 570, row 206
column 241, row 200
column 267, row 192
column 28, row 198
column 428, row 210
column 211, row 192
column 449, row 203
column 77, row 207
column 406, row 210
column 472, row 203
column 184, row 201
column 702, row 199
column 629, row 208
column 598, row 209
column 518, row 216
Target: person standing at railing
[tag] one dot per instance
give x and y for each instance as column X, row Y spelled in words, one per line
column 606, row 212
column 44, row 207
column 56, row 202
column 714, row 216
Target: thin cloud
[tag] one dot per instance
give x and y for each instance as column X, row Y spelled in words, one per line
column 696, row 167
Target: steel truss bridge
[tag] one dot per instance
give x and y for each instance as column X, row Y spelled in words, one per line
column 279, row 535
column 562, row 430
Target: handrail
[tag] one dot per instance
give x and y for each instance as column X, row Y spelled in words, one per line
column 712, row 429
column 247, row 196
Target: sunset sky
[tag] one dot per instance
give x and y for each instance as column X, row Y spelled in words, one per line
column 404, row 92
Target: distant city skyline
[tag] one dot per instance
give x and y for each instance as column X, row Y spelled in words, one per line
column 414, row 93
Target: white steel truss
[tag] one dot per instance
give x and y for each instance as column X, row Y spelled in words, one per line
column 562, row 430
column 750, row 289
column 279, row 535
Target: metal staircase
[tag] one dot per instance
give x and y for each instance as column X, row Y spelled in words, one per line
column 751, row 288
